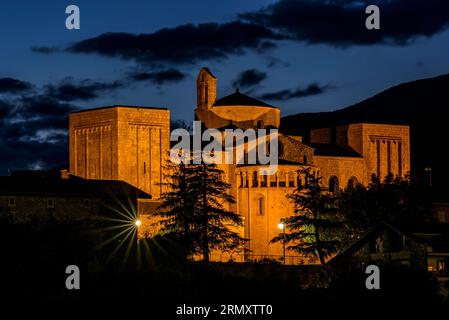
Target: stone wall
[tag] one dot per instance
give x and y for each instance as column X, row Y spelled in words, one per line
column 121, row 143
column 385, row 149
column 341, row 168
column 263, row 203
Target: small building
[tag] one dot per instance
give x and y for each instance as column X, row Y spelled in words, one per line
column 30, row 195
column 419, row 247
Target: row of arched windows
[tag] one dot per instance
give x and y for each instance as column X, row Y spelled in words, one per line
column 287, row 179
column 281, row 179
column 334, row 184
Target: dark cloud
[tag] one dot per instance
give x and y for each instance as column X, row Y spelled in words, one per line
column 249, row 78
column 70, row 90
column 159, row 77
column 183, row 44
column 339, row 23
column 342, row 22
column 46, row 50
column 33, row 133
column 288, row 94
column 5, row 109
column 10, row 85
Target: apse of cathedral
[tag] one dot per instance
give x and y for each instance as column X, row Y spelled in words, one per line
column 132, row 143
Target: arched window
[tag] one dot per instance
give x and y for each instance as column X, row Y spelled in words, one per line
column 264, row 182
column 352, row 182
column 333, row 184
column 291, row 179
column 305, row 159
column 282, row 176
column 255, row 181
column 274, row 180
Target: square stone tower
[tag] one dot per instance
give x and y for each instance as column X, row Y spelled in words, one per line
column 121, row 143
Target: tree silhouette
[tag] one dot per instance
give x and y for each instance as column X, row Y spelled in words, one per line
column 313, row 230
column 195, row 209
column 394, row 200
column 177, row 208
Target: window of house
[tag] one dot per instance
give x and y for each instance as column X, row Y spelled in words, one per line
column 12, row 201
column 441, row 265
column 50, row 203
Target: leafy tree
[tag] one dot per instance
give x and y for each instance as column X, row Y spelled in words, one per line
column 394, row 200
column 315, row 227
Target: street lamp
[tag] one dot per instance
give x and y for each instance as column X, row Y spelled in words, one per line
column 281, row 226
column 137, row 223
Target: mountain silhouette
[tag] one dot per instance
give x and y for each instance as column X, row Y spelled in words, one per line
column 421, row 104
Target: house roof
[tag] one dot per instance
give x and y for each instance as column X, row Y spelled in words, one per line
column 333, row 150
column 239, row 99
column 33, row 185
column 436, row 235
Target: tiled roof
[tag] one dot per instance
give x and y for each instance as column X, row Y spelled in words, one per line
column 71, row 187
column 240, row 99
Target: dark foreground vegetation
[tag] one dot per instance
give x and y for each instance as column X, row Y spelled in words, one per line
column 124, row 270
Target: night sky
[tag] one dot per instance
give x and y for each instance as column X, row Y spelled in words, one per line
column 303, row 56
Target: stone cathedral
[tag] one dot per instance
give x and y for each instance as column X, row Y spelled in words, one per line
column 132, row 143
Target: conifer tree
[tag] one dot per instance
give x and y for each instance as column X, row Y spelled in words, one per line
column 215, row 225
column 177, row 208
column 314, row 227
column 194, row 208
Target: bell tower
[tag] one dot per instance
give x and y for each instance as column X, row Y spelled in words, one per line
column 206, row 86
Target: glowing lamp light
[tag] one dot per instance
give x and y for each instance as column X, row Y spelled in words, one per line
column 138, row 223
column 281, row 226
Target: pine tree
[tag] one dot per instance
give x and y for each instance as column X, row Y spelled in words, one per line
column 214, row 223
column 313, row 229
column 194, row 209
column 177, row 208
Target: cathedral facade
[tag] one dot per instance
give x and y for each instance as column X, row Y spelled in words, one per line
column 132, row 143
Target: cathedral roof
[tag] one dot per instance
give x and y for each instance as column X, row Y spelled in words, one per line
column 240, row 99
column 118, row 106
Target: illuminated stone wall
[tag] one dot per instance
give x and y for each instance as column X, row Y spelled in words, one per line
column 121, row 143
